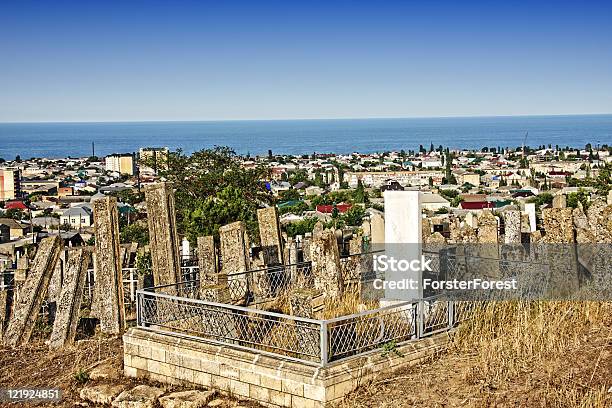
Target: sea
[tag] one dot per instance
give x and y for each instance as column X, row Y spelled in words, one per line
column 256, row 137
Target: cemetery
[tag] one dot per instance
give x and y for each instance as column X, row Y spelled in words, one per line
column 292, row 323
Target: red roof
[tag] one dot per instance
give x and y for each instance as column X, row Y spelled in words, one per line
column 476, row 205
column 15, row 205
column 328, row 209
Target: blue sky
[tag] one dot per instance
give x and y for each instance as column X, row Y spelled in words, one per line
column 180, row 60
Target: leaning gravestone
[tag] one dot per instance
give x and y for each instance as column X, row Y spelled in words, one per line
column 69, row 301
column 33, row 292
column 207, row 260
column 234, row 257
column 108, row 288
column 164, row 242
column 270, row 235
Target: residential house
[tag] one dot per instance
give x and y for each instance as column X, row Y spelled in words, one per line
column 77, row 217
column 433, row 202
column 15, row 229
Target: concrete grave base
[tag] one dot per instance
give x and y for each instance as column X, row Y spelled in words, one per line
column 271, row 381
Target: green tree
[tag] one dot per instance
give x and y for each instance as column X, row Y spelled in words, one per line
column 129, row 196
column 541, row 199
column 300, row 227
column 581, row 197
column 137, row 232
column 15, row 214
column 289, row 195
column 213, row 189
column 354, row 216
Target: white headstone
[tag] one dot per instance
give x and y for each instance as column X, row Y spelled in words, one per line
column 403, row 239
column 530, row 209
column 185, row 248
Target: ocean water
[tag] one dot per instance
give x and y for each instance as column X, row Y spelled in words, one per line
column 56, row 140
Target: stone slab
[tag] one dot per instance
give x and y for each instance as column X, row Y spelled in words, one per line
column 69, row 302
column 108, row 288
column 31, row 295
column 164, row 242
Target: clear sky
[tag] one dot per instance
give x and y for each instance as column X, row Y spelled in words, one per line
column 179, row 60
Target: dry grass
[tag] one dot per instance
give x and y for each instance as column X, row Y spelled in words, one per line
column 508, row 339
column 512, row 354
column 349, row 303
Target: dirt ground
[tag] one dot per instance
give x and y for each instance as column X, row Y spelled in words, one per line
column 35, row 366
column 448, row 380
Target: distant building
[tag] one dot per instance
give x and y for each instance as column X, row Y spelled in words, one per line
column 15, row 229
column 471, row 178
column 77, row 217
column 405, row 178
column 434, row 202
column 10, row 184
column 329, row 209
column 392, row 185
column 65, row 191
column 158, row 155
column 121, row 163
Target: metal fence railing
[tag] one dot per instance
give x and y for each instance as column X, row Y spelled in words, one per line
column 292, row 337
column 308, row 340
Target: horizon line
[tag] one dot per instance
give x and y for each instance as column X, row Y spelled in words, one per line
column 300, row 119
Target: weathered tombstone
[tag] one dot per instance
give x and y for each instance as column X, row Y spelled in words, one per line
column 33, row 291
column 318, row 229
column 487, row 228
column 426, row 227
column 207, row 260
column 598, row 215
column 377, row 224
column 291, row 259
column 610, row 197
column 559, row 252
column 559, row 226
column 488, row 246
column 108, row 287
column 292, row 251
column 235, row 257
column 559, row 201
column 215, row 293
column 23, row 264
column 4, row 312
column 234, row 248
column 512, row 221
column 325, row 259
column 55, row 285
column 306, row 241
column 163, row 237
column 213, row 284
column 471, row 219
column 270, row 235
column 69, row 301
column 306, row 302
